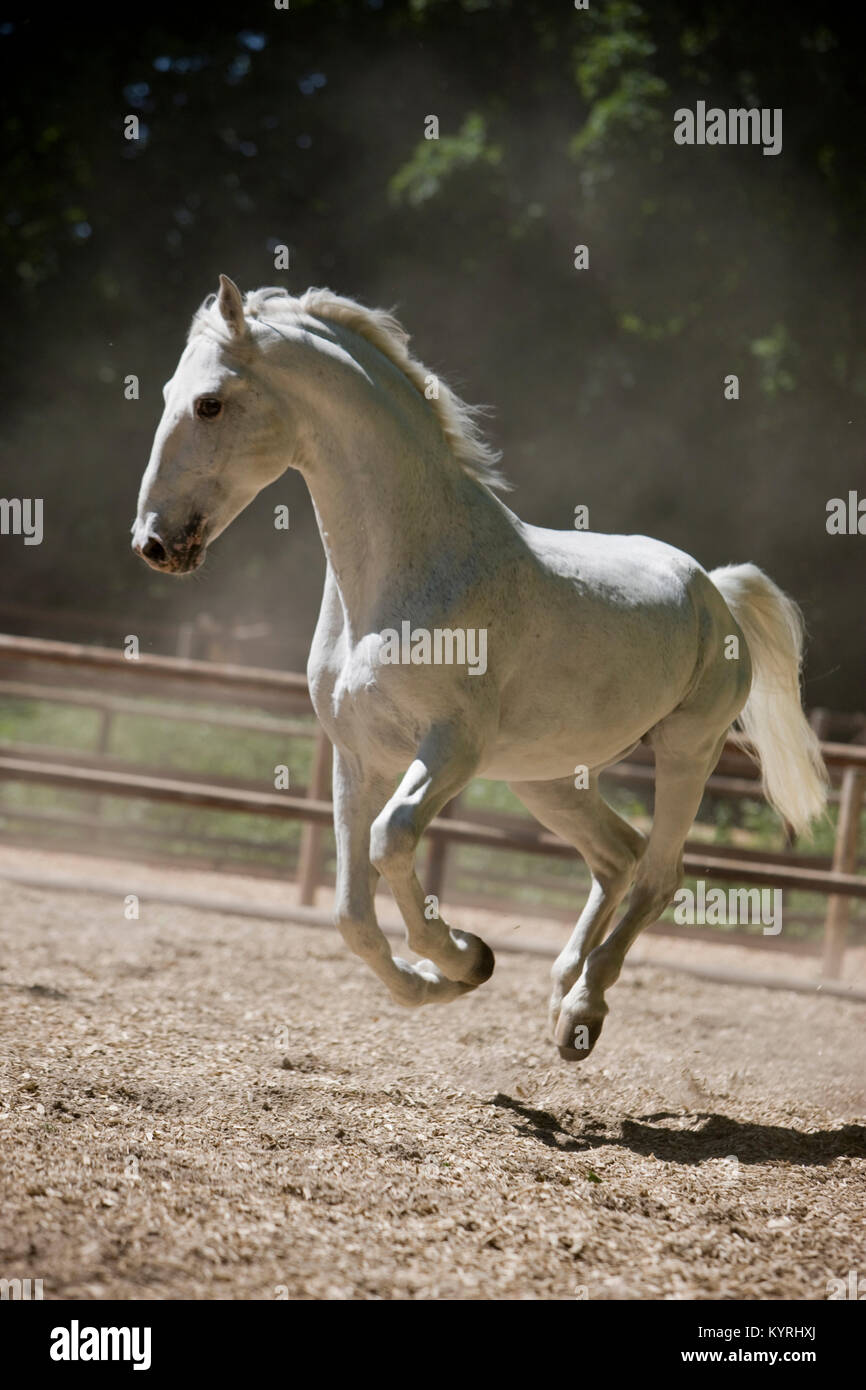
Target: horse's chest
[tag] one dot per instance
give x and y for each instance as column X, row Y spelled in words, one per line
column 357, row 709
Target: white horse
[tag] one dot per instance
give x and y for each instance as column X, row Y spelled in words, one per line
column 593, row 642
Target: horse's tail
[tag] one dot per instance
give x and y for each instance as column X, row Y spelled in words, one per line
column 794, row 776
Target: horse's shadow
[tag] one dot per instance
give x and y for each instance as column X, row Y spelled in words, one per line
column 718, row 1137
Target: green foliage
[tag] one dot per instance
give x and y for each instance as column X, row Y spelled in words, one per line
column 617, row 47
column 652, row 332
column 632, row 107
column 774, row 353
column 614, row 74
column 434, row 162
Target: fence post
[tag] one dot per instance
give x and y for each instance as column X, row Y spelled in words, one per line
column 103, row 741
column 310, row 859
column 844, row 861
column 437, row 857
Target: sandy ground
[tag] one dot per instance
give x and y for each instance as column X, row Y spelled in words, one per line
column 201, row 1106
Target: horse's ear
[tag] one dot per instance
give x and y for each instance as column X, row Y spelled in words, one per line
column 231, row 306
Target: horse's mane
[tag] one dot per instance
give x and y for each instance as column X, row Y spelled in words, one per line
column 459, row 422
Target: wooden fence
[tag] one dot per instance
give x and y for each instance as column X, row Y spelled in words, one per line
column 170, row 688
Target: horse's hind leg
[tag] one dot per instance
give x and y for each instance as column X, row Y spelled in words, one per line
column 443, row 767
column 681, row 774
column 612, row 850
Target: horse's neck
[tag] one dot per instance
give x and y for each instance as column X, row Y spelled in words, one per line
column 383, row 522
column 387, row 494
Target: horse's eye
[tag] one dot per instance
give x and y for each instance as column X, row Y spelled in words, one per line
column 208, row 407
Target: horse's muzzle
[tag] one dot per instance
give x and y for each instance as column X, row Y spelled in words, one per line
column 180, row 553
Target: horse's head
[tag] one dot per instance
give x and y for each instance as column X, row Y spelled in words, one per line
column 223, row 436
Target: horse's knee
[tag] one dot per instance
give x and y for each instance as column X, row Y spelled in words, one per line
column 393, row 840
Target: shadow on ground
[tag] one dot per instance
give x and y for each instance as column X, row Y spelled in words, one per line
column 709, row 1136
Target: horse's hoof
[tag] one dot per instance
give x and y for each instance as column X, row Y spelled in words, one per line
column 484, row 966
column 476, row 951
column 584, row 1039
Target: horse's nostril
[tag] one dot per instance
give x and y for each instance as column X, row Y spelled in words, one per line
column 154, row 549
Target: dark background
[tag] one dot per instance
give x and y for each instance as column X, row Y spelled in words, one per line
column 305, row 127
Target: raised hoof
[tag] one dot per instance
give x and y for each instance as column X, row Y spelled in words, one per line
column 483, row 968
column 586, row 1036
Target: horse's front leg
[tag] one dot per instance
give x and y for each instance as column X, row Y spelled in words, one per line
column 357, row 798
column 443, row 767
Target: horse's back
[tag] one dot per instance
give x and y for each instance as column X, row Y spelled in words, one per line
column 625, row 568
